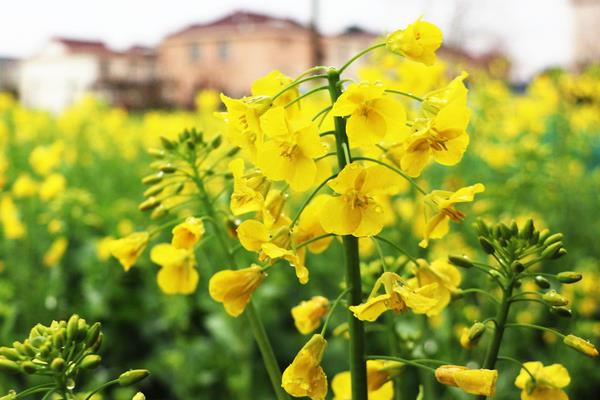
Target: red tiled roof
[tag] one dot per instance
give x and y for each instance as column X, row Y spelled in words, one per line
column 83, row 46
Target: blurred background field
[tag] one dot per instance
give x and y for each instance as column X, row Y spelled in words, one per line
column 77, row 118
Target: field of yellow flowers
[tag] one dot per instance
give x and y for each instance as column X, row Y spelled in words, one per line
column 421, row 232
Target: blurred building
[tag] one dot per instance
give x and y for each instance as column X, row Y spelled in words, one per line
column 228, row 54
column 586, row 32
column 9, row 75
column 66, row 69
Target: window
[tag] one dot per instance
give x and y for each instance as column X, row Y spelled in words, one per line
column 223, row 51
column 195, row 52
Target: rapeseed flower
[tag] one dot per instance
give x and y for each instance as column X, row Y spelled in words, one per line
column 249, row 189
column 379, row 383
column 547, row 383
column 474, row 381
column 128, row 249
column 188, row 233
column 446, row 276
column 178, row 274
column 418, row 41
column 307, row 315
column 304, row 376
column 234, row 288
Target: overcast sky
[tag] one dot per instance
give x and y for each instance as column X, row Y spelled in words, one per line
column 534, row 33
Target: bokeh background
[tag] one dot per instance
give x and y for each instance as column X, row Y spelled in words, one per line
column 87, row 87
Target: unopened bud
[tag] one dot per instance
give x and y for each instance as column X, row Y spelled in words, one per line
column 92, row 334
column 139, row 396
column 9, row 353
column 581, row 345
column 569, row 277
column 133, row 376
column 544, row 235
column 159, row 212
column 20, row 348
column 9, row 366
column 153, row 190
column 486, row 245
column 514, row 228
column 460, row 261
column 476, row 331
column 542, row 282
column 12, row 395
column 528, row 229
column 149, row 204
column 72, row 327
column 560, row 253
column 28, row 367
column 550, row 251
column 557, row 237
column 553, row 298
column 58, row 364
column 561, row 311
column 216, row 142
column 157, row 153
column 167, row 168
column 190, row 144
column 90, row 361
column 233, row 152
column 166, row 143
column 152, row 179
column 482, row 228
column 82, row 328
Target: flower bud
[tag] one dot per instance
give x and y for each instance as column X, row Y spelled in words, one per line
column 28, row 367
column 157, row 153
column 514, row 229
column 167, row 168
column 183, row 136
column 133, row 376
column 139, row 396
column 528, row 229
column 542, row 282
column 152, row 179
column 82, row 329
column 581, row 345
column 216, row 142
column 92, row 334
column 72, row 327
column 460, row 261
column 12, row 395
column 58, row 364
column 569, row 277
column 9, row 366
column 550, row 251
column 9, row 353
column 159, row 212
column 166, row 143
column 153, row 190
column 473, row 381
column 557, row 237
column 482, row 228
column 20, row 348
column 517, row 266
column 561, row 311
column 553, row 298
column 505, row 231
column 90, row 361
column 486, row 245
column 29, row 349
column 561, row 252
column 149, row 204
column 59, row 338
column 544, row 234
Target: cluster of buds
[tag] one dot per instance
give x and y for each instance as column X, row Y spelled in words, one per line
column 60, row 350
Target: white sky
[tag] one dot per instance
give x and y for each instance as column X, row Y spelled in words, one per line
column 534, row 33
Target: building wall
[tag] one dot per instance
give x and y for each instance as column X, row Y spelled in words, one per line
column 586, row 34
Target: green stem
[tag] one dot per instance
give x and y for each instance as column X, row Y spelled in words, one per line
column 480, row 291
column 396, row 170
column 330, row 313
column 359, row 55
column 538, row 327
column 316, row 238
column 101, row 387
column 402, row 360
column 395, row 246
column 258, row 329
column 309, row 198
column 35, row 389
column 297, row 99
column 358, row 365
column 519, row 363
column 296, row 83
column 406, row 94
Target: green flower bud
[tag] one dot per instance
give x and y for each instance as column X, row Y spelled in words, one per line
column 544, row 235
column 561, row 311
column 190, row 144
column 486, row 245
column 476, row 331
column 460, row 261
column 9, row 366
column 9, row 353
column 96, row 346
column 166, row 143
column 157, row 153
column 557, row 237
column 505, row 231
column 59, row 338
column 72, row 327
column 550, row 251
column 58, row 364
column 159, row 212
column 528, row 229
column 139, row 396
column 133, row 376
column 514, row 229
column 233, row 152
column 152, row 179
column 167, row 168
column 92, row 334
column 153, row 190
column 90, row 361
column 20, row 348
column 31, row 352
column 29, row 367
column 542, row 282
column 183, row 136
column 197, row 136
column 555, row 299
column 82, row 329
column 569, row 277
column 216, row 142
column 581, row 345
column 149, row 204
column 560, row 253
column 482, row 228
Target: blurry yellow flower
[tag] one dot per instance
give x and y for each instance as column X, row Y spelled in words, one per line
column 372, row 115
column 581, row 345
column 128, row 249
column 289, row 150
column 55, row 253
column 379, row 384
column 398, row 297
column 445, row 275
column 24, row 186
column 188, row 233
column 309, row 226
column 304, row 376
column 12, row 227
column 356, row 211
column 207, row 101
column 418, row 41
column 442, row 202
column 548, row 384
column 271, row 84
column 53, row 185
column 474, row 381
column 307, row 315
column 103, row 246
column 470, row 336
column 125, row 227
column 178, row 274
column 248, row 189
column 233, row 288
column 44, row 159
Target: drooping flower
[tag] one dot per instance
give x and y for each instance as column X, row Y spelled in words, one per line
column 307, row 315
column 372, row 115
column 178, row 273
column 128, row 249
column 442, row 202
column 188, row 233
column 445, row 275
column 249, row 190
column 305, row 376
column 379, row 384
column 357, row 211
column 548, row 384
column 474, row 381
column 290, row 147
column 398, row 297
column 234, row 288
column 418, row 41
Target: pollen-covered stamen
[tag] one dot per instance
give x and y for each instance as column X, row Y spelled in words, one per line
column 289, row 150
column 453, row 214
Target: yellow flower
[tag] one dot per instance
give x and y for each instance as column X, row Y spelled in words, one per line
column 304, row 376
column 445, row 275
column 418, row 41
column 188, row 233
column 271, row 84
column 233, row 288
column 289, row 150
column 128, row 249
column 474, row 381
column 309, row 226
column 307, row 315
column 271, row 245
column 379, row 384
column 207, row 101
column 248, row 189
column 549, row 381
column 442, row 202
column 103, row 247
column 55, row 252
column 52, row 186
column 356, row 211
column 178, row 274
column 581, row 345
column 44, row 159
column 12, row 227
column 24, row 186
column 398, row 297
column 372, row 115
column 455, row 91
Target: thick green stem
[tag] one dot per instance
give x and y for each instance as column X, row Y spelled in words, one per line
column 256, row 325
column 358, row 366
